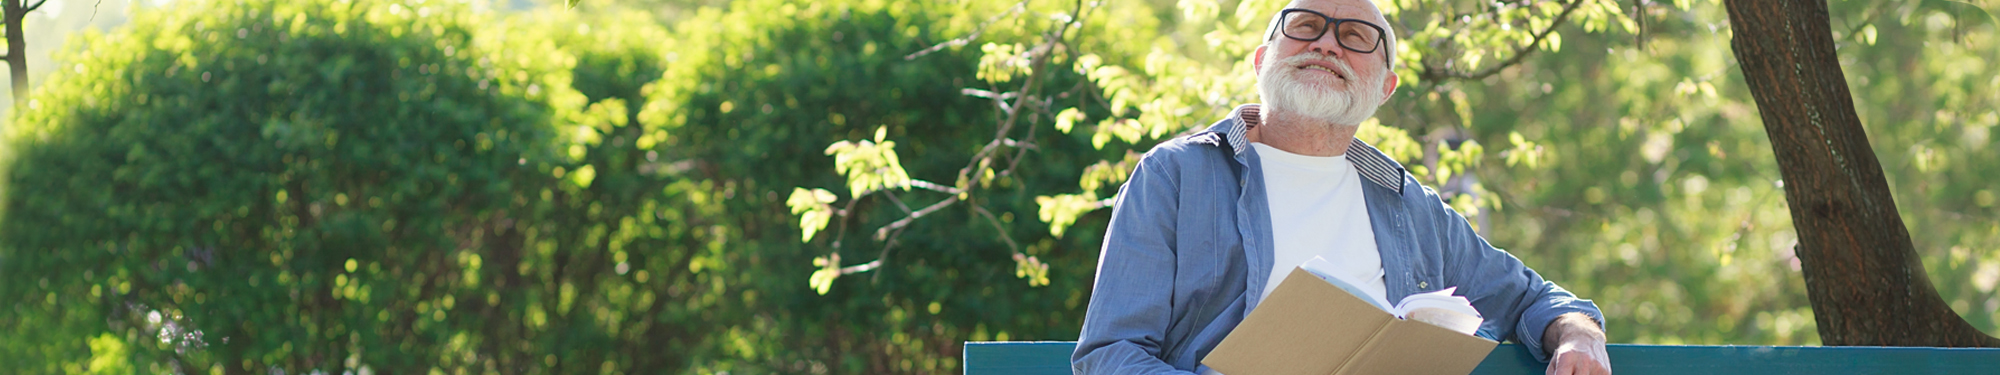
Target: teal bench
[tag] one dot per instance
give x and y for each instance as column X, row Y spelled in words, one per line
column 1052, row 357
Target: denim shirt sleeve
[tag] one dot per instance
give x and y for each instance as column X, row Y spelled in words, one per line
column 1499, row 285
column 1126, row 323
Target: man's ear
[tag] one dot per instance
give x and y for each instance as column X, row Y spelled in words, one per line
column 1389, row 86
column 1257, row 58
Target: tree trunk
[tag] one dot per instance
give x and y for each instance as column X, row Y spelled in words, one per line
column 1863, row 276
column 13, row 11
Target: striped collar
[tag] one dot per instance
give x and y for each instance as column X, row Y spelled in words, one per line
column 1378, row 168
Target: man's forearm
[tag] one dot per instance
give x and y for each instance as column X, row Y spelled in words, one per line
column 1570, row 326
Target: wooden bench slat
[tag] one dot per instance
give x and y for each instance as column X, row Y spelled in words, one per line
column 1052, row 358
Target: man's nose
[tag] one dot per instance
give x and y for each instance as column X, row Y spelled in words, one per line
column 1327, row 45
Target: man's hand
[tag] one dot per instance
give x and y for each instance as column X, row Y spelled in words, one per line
column 1578, row 346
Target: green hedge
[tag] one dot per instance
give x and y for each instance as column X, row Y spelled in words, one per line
column 244, row 186
column 274, row 184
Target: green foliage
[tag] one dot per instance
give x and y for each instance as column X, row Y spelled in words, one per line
column 777, row 83
column 240, row 187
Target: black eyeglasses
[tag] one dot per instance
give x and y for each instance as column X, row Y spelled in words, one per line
column 1307, row 26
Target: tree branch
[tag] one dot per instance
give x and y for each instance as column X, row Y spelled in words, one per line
column 1038, row 65
column 987, row 94
column 859, row 268
column 883, row 233
column 986, row 156
column 844, row 213
column 933, row 186
column 1435, row 73
column 898, row 202
column 996, row 226
column 960, row 41
column 865, row 267
column 998, row 98
column 32, row 8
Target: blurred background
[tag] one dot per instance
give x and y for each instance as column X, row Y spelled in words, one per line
column 860, row 186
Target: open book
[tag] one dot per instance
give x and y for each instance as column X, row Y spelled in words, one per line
column 1316, row 324
column 1439, row 308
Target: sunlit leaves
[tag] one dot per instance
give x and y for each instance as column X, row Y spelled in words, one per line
column 583, row 176
column 1002, row 62
column 1105, row 173
column 869, row 165
column 1392, row 141
column 828, row 269
column 1524, row 153
column 1060, row 211
column 1457, row 160
column 813, row 209
column 108, row 356
column 1028, row 267
column 1466, row 206
column 1125, row 129
column 1066, row 120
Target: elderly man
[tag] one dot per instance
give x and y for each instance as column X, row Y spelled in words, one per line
column 1209, row 224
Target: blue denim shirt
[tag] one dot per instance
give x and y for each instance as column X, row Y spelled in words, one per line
column 1189, row 244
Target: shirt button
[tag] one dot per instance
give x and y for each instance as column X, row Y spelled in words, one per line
column 1421, row 284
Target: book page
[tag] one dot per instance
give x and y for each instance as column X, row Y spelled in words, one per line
column 1442, row 309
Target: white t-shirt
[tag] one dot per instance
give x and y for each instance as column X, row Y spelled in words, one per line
column 1317, row 210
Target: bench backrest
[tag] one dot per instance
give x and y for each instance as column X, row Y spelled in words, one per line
column 1052, row 357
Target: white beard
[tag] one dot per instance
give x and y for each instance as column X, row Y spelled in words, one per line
column 1281, row 90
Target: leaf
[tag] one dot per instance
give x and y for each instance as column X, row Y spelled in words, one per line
column 869, row 165
column 1394, row 142
column 814, row 210
column 821, row 280
column 1028, row 267
column 583, row 176
column 1066, row 120
column 1060, row 211
column 1001, row 62
column 1105, row 173
column 1467, row 207
column 1524, row 152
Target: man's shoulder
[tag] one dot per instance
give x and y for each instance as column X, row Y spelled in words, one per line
column 1209, row 145
column 1204, row 151
column 1198, row 143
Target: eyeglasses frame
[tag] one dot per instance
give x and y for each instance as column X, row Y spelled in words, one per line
column 1277, row 25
